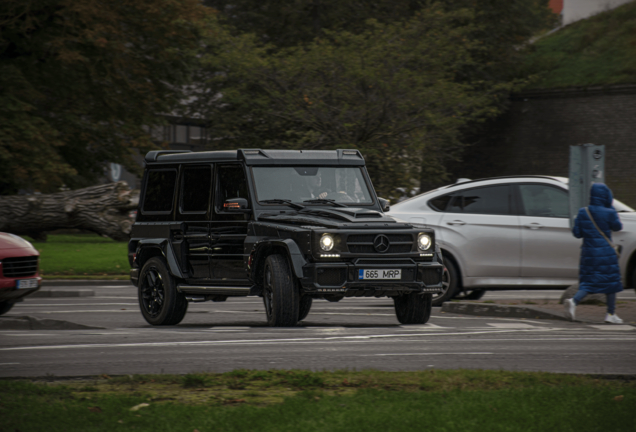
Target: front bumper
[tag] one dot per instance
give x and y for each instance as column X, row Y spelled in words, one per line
column 9, row 291
column 341, row 278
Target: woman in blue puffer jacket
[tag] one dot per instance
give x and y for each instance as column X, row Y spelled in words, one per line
column 599, row 272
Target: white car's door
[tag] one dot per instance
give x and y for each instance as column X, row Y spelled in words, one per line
column 484, row 234
column 549, row 250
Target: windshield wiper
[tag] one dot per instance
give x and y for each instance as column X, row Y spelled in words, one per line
column 283, row 201
column 324, row 201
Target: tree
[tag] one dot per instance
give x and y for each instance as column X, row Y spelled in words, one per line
column 406, row 89
column 391, row 90
column 79, row 80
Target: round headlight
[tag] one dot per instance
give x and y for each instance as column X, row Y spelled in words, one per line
column 326, row 242
column 424, row 242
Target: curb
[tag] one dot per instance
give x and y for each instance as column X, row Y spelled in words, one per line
column 30, row 323
column 63, row 293
column 502, row 311
column 85, row 282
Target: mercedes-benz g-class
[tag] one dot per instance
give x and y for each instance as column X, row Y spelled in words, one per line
column 289, row 226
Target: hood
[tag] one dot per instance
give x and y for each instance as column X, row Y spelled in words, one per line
column 12, row 241
column 601, row 195
column 335, row 217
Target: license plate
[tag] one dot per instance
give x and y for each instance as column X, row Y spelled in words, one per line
column 379, row 274
column 27, row 283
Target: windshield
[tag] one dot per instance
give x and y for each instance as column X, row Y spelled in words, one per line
column 344, row 185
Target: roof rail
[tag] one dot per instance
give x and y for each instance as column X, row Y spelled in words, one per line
column 152, row 156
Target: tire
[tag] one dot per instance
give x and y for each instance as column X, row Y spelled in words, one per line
column 449, row 283
column 413, row 308
column 5, row 307
column 281, row 296
column 452, row 273
column 159, row 300
column 470, row 295
column 304, row 307
column 634, row 278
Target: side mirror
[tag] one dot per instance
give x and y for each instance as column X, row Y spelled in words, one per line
column 384, row 204
column 235, row 205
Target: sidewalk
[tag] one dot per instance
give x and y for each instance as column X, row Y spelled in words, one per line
column 595, row 313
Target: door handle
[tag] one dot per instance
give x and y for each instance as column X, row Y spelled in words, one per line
column 456, row 222
column 534, row 226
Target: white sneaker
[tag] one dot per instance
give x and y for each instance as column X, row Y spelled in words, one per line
column 570, row 309
column 613, row 319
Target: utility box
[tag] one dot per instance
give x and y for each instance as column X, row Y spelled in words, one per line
column 587, row 166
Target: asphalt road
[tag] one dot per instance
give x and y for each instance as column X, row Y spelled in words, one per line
column 354, row 333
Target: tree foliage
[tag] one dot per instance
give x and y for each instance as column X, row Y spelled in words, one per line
column 402, row 89
column 80, row 78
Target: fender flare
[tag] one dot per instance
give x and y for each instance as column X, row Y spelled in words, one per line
column 166, row 250
column 295, row 256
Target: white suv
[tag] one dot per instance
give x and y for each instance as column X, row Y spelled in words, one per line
column 509, row 233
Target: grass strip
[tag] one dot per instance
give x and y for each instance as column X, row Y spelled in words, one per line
column 81, row 255
column 244, row 400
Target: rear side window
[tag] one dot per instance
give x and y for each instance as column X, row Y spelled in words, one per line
column 196, row 186
column 159, row 194
column 440, row 203
column 544, row 201
column 232, row 184
column 493, row 200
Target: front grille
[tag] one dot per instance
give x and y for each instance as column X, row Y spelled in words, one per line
column 363, row 243
column 431, row 276
column 20, row 267
column 331, row 276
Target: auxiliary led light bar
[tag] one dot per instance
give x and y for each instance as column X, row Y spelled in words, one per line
column 426, row 255
column 329, row 255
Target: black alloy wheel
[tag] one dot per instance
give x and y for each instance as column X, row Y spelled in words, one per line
column 413, row 308
column 281, row 295
column 159, row 300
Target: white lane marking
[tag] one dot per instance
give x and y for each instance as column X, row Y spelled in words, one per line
column 255, row 341
column 80, row 304
column 310, row 341
column 613, row 327
column 87, row 311
column 119, row 298
column 29, row 334
column 427, row 354
column 510, row 325
column 486, row 318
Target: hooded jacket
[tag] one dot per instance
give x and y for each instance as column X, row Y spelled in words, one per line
column 598, row 270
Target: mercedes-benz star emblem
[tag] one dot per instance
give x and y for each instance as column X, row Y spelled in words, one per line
column 381, row 243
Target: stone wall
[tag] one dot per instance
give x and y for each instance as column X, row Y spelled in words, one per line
column 534, row 136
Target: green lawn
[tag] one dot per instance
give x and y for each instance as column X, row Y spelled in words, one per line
column 82, row 254
column 434, row 400
column 600, row 50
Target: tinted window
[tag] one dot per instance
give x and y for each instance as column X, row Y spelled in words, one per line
column 160, row 190
column 542, row 200
column 488, row 200
column 232, row 183
column 195, row 189
column 440, row 203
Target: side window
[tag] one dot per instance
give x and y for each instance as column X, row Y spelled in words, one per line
column 455, row 205
column 232, row 183
column 440, row 203
column 196, row 185
column 493, row 200
column 546, row 201
column 159, row 194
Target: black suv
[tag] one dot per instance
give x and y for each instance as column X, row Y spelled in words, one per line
column 285, row 225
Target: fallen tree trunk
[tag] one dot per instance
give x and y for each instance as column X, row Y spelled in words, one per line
column 102, row 209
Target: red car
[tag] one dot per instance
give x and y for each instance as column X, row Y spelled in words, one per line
column 18, row 270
